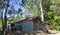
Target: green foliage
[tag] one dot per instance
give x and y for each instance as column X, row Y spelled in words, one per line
column 52, row 15
column 19, row 11
column 53, row 19
column 32, row 6
column 0, row 3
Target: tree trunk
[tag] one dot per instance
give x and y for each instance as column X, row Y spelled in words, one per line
column 43, row 25
column 4, row 19
column 41, row 9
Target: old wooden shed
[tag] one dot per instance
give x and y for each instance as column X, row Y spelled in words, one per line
column 26, row 25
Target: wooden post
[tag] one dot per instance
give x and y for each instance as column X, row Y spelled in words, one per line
column 34, row 25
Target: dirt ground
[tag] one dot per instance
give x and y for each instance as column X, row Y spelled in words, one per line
column 53, row 32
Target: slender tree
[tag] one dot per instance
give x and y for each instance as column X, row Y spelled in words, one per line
column 41, row 9
column 42, row 16
column 4, row 20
